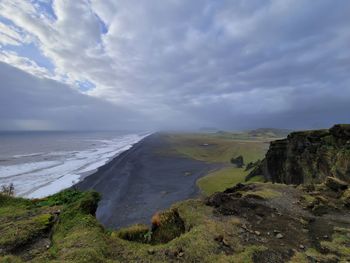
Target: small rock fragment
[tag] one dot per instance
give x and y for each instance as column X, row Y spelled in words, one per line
column 302, row 247
column 180, row 254
column 279, row 236
column 224, row 241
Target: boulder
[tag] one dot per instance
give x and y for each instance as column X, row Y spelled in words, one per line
column 238, row 161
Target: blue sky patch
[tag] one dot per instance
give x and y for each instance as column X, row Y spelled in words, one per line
column 32, row 52
column 85, row 85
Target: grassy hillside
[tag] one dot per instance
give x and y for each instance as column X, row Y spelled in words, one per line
column 221, row 179
column 219, row 148
column 62, row 228
column 258, row 222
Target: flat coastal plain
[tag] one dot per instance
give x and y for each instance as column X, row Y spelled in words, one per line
column 144, row 180
column 165, row 168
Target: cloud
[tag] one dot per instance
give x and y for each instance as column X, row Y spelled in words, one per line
column 12, row 58
column 50, row 105
column 230, row 64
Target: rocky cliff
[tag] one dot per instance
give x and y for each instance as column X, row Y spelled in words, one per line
column 308, row 157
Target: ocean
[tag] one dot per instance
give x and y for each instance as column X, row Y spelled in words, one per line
column 43, row 163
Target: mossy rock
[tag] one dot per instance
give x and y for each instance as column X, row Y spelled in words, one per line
column 87, row 203
column 166, row 226
column 18, row 233
column 308, row 157
column 238, row 161
column 346, row 198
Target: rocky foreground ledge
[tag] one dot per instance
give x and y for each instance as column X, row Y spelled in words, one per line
column 257, row 222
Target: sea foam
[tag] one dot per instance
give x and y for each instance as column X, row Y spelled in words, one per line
column 42, row 178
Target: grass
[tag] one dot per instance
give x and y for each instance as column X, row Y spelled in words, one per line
column 214, row 148
column 77, row 236
column 19, row 232
column 138, row 232
column 339, row 243
column 199, row 242
column 21, row 221
column 257, row 179
column 221, row 180
column 219, row 148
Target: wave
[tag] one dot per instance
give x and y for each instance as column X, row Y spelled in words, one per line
column 27, row 155
column 42, row 178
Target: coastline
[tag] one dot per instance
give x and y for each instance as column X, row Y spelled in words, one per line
column 42, row 164
column 141, row 181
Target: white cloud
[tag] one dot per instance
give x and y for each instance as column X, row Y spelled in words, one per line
column 9, row 35
column 23, row 63
column 176, row 59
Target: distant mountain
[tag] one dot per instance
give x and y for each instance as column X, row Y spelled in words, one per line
column 269, row 132
column 208, row 129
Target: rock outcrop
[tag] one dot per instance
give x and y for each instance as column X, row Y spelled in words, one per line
column 308, row 157
column 238, row 161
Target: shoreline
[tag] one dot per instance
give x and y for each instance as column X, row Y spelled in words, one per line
column 42, row 166
column 141, row 181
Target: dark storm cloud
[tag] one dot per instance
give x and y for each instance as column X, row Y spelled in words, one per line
column 186, row 64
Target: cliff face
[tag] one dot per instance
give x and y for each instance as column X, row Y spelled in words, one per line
column 308, row 157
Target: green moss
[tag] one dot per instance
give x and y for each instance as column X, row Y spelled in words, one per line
column 316, row 256
column 19, row 232
column 247, row 254
column 138, row 233
column 299, row 257
column 193, row 212
column 64, row 197
column 220, row 180
column 339, row 244
column 6, row 200
column 78, row 237
column 10, row 259
column 166, row 226
column 263, row 194
column 198, row 244
column 309, row 199
column 256, row 179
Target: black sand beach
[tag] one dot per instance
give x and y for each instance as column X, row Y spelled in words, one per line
column 141, row 181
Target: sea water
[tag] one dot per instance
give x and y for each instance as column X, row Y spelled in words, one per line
column 43, row 163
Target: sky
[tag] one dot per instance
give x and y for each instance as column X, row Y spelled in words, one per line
column 175, row 64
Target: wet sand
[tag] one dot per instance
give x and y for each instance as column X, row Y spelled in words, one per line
column 141, row 181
